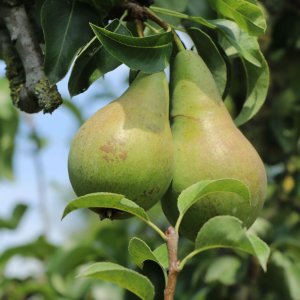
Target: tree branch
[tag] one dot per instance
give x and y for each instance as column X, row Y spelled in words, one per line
column 172, row 244
column 34, row 92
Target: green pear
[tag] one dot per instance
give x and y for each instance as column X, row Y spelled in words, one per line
column 208, row 145
column 126, row 147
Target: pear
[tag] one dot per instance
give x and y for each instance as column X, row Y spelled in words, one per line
column 126, row 147
column 208, row 145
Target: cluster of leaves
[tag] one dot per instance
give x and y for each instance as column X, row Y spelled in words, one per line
column 218, row 232
column 83, row 34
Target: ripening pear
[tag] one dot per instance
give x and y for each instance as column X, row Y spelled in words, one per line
column 126, row 147
column 208, row 145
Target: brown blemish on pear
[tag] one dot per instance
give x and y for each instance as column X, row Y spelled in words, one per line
column 133, row 140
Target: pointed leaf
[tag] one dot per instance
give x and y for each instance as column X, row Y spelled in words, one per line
column 257, row 74
column 211, row 55
column 228, row 232
column 197, row 191
column 66, row 29
column 149, row 54
column 106, row 200
column 93, row 61
column 123, row 277
column 247, row 15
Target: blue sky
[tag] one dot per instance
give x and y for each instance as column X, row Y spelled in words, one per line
column 58, row 129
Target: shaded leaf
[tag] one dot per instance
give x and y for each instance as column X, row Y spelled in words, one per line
column 66, row 29
column 141, row 252
column 149, row 54
column 224, row 270
column 212, row 57
column 257, row 71
column 247, row 15
column 93, row 61
column 123, row 277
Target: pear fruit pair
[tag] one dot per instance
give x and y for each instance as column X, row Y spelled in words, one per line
column 208, row 145
column 126, row 147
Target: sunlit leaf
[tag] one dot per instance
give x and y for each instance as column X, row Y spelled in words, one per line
column 123, row 277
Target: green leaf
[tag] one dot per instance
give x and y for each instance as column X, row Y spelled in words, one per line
column 173, row 13
column 211, row 55
column 247, row 15
column 149, row 54
column 74, row 110
column 123, row 277
column 228, row 232
column 173, row 4
column 161, row 253
column 286, row 273
column 257, row 71
column 9, row 122
column 66, row 29
column 199, row 190
column 224, row 270
column 14, row 220
column 93, row 61
column 140, row 252
column 239, row 39
column 107, row 200
column 39, row 249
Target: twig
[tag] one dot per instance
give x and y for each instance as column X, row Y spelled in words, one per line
column 152, row 16
column 35, row 93
column 172, row 244
column 140, row 28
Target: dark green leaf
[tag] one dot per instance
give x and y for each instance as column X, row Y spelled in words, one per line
column 211, row 55
column 107, row 200
column 66, row 29
column 149, row 54
column 247, row 15
column 224, row 270
column 93, row 61
column 287, row 274
column 123, row 277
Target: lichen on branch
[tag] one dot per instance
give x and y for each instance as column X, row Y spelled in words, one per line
column 30, row 89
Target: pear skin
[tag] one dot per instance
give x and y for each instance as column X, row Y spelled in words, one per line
column 126, row 147
column 208, row 145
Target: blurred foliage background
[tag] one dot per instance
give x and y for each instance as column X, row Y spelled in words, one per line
column 222, row 274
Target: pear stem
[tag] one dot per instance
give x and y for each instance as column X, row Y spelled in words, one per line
column 139, row 28
column 155, row 18
column 172, row 244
